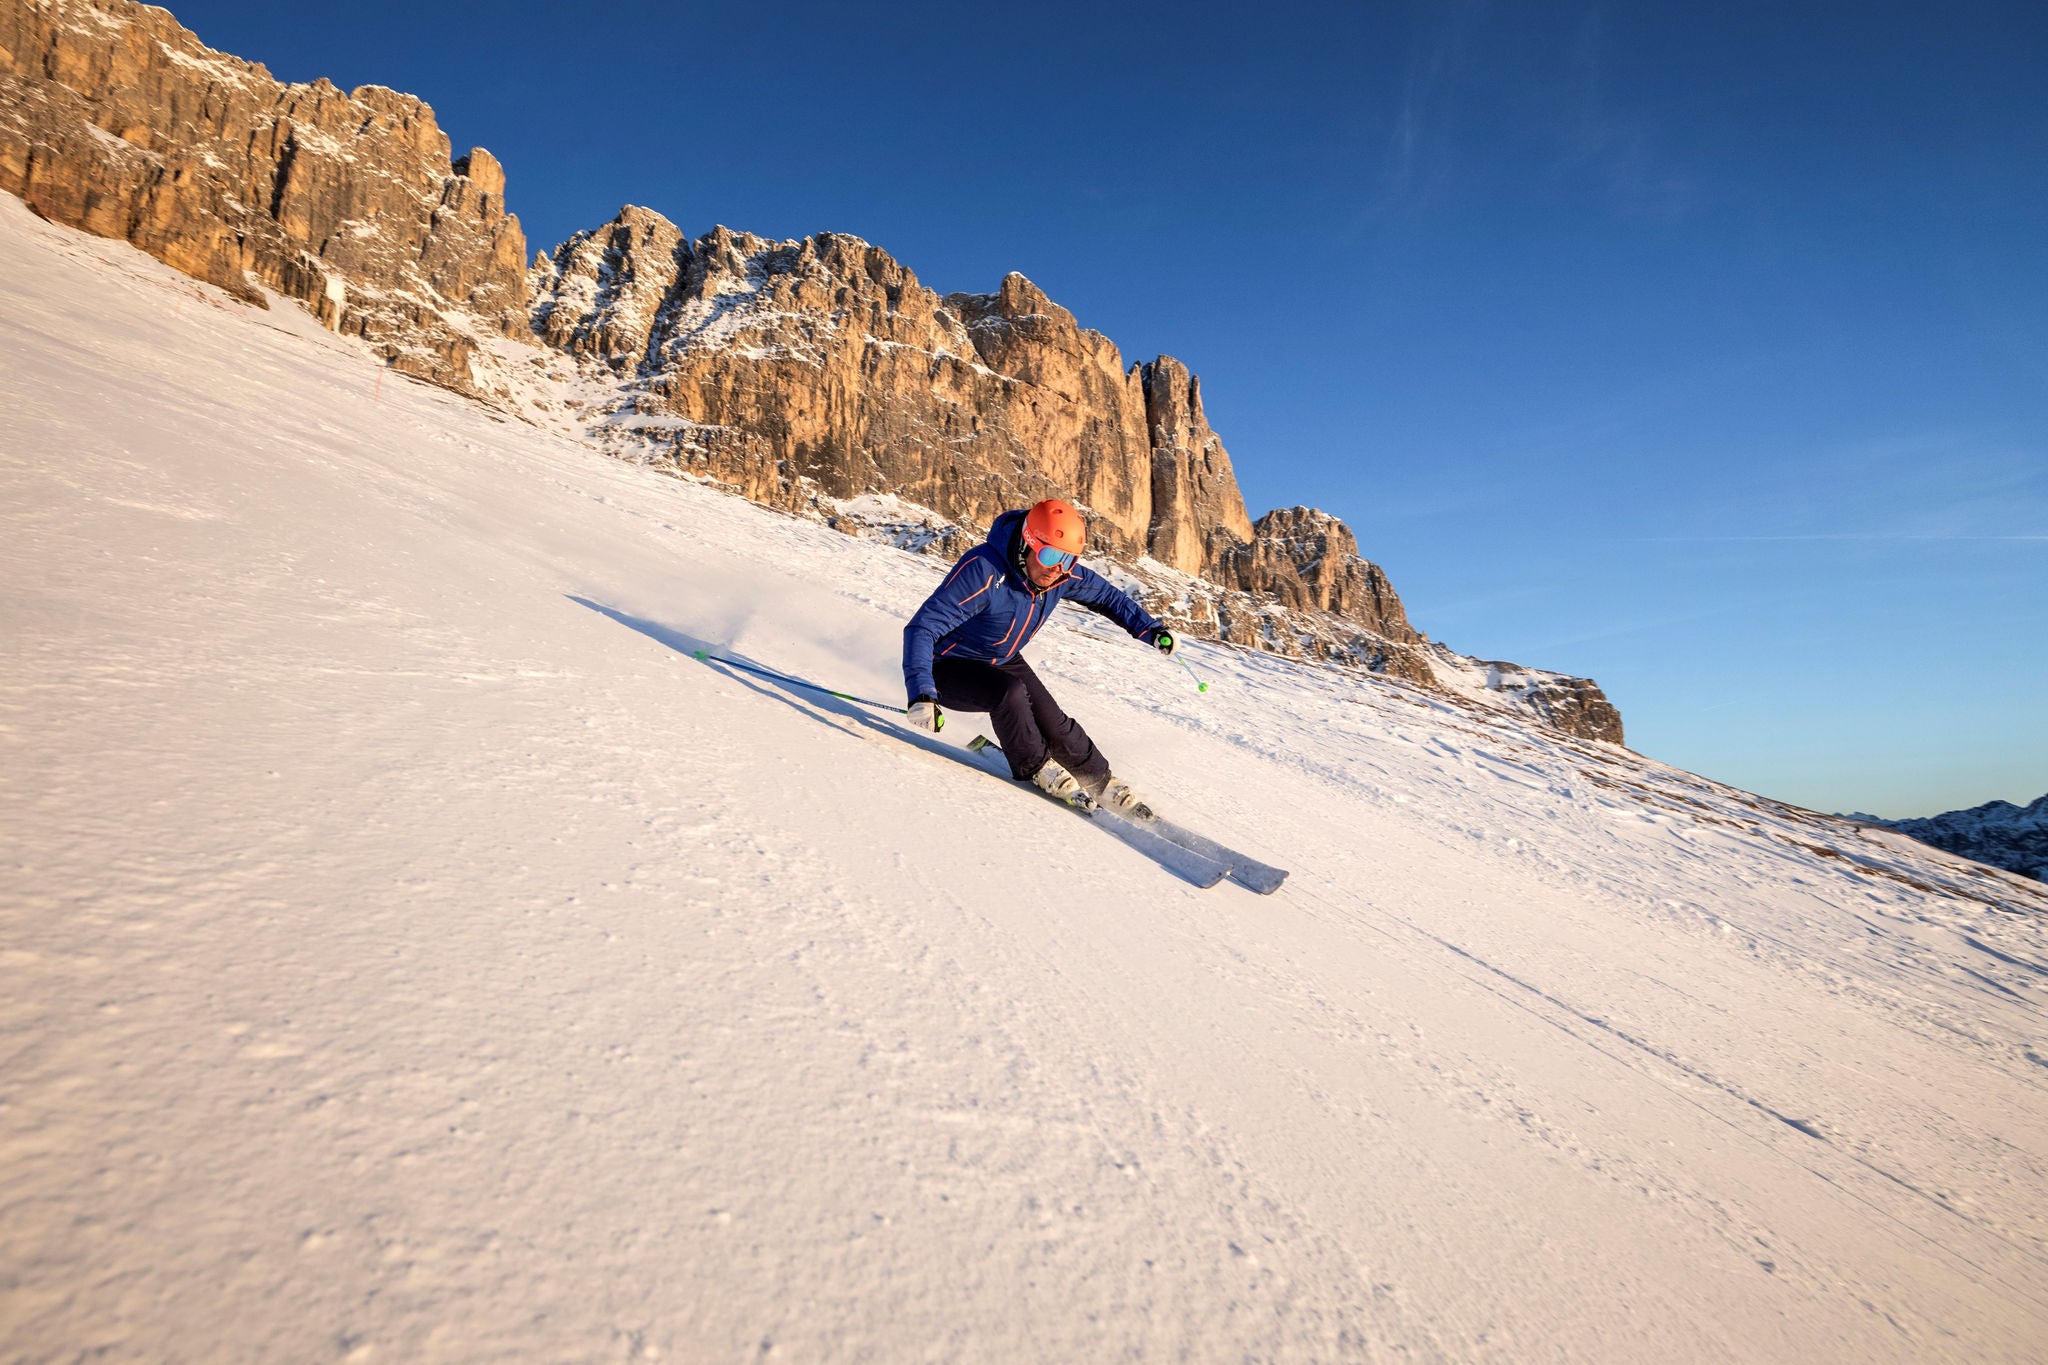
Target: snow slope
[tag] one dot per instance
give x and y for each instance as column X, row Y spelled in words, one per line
column 411, row 953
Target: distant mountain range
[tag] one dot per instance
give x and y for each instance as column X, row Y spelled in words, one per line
column 1997, row 832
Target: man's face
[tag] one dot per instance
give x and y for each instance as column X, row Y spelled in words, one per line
column 1040, row 576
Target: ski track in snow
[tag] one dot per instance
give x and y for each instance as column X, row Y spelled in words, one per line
column 412, row 953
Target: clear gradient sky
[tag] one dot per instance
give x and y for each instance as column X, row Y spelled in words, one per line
column 1699, row 349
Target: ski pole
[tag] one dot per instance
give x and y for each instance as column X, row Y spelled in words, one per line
column 705, row 656
column 1200, row 686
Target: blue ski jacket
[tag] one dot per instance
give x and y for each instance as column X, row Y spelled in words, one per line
column 986, row 608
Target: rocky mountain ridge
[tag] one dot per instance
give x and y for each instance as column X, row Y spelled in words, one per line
column 801, row 374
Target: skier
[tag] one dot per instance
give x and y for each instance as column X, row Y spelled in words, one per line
column 963, row 649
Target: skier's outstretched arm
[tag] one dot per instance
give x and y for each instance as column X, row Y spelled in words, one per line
column 962, row 596
column 1098, row 594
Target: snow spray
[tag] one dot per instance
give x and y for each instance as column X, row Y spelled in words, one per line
column 706, row 656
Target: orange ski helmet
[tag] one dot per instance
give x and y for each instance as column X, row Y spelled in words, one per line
column 1057, row 524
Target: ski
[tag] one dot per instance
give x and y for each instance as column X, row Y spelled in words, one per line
column 1246, row 871
column 1189, row 864
column 1243, row 869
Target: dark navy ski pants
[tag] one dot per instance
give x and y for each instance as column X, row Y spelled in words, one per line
column 1028, row 722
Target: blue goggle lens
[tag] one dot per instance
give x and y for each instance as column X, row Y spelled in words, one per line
column 1055, row 559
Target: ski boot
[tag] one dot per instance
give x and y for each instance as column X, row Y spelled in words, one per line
column 1056, row 782
column 1113, row 793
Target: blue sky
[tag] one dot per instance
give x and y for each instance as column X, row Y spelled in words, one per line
column 1702, row 350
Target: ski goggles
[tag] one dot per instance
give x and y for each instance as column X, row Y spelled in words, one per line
column 1054, row 559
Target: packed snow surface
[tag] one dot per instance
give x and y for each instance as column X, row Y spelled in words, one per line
column 411, row 952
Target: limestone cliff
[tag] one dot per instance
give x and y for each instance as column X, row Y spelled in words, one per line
column 823, row 366
column 115, row 119
column 1198, row 514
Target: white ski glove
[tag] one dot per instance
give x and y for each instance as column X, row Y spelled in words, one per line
column 926, row 715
